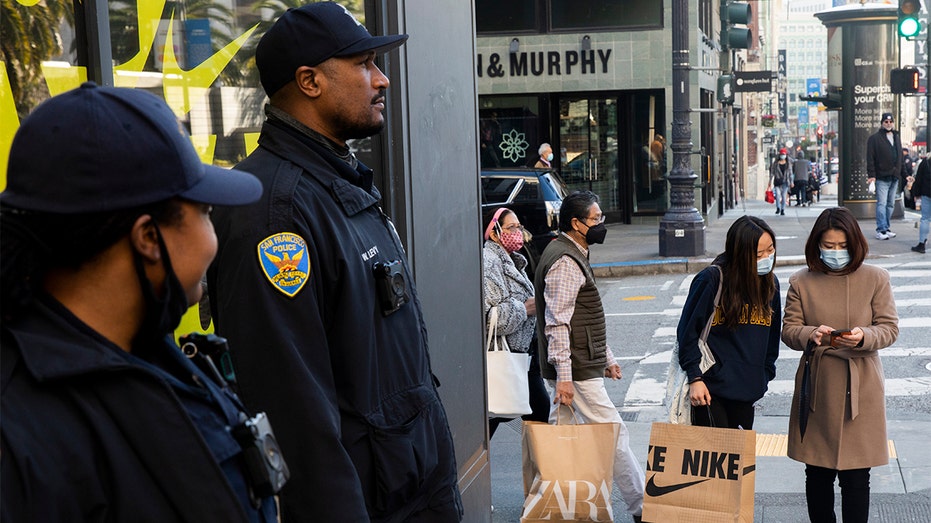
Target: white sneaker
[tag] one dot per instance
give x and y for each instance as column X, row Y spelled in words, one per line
column 890, row 234
column 881, row 235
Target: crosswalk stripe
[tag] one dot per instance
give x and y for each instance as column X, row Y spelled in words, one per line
column 924, row 321
column 911, row 288
column 895, row 273
column 895, row 387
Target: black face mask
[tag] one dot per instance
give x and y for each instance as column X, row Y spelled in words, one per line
column 596, row 234
column 161, row 315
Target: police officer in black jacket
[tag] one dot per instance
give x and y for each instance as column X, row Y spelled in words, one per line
column 312, row 288
column 106, row 237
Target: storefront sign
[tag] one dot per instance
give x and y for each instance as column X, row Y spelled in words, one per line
column 753, row 81
column 543, row 63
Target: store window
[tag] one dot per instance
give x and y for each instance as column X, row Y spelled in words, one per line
column 509, row 131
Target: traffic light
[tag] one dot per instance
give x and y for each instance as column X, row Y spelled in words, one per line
column 820, row 133
column 908, row 25
column 904, row 81
column 733, row 14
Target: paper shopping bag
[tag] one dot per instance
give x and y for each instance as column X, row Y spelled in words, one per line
column 568, row 471
column 699, row 474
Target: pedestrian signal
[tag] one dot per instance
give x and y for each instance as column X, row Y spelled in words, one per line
column 904, row 81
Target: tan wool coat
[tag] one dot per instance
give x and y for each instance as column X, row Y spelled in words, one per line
column 847, row 421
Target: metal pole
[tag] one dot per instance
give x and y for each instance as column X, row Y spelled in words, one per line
column 682, row 229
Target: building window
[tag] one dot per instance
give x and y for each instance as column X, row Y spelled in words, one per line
column 495, row 16
column 543, row 16
column 596, row 14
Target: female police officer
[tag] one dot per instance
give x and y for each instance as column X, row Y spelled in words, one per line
column 103, row 418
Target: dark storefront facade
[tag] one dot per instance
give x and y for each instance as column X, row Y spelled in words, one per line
column 597, row 89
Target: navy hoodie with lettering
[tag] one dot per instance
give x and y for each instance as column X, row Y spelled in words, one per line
column 745, row 356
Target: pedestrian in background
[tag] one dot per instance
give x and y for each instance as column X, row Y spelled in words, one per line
column 921, row 191
column 575, row 356
column 105, row 241
column 546, row 157
column 313, row 290
column 507, row 288
column 801, row 171
column 883, row 167
column 844, row 405
column 744, row 335
column 779, row 173
column 906, row 178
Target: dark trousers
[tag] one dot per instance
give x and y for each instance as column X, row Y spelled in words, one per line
column 801, row 192
column 854, row 492
column 724, row 413
column 539, row 397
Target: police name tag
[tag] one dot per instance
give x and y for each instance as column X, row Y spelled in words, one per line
column 285, row 262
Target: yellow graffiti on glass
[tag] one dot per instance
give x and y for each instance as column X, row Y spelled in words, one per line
column 182, row 89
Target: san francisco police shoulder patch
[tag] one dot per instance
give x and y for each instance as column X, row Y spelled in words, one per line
column 284, row 259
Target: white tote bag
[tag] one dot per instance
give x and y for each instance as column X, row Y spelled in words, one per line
column 508, row 390
column 677, row 384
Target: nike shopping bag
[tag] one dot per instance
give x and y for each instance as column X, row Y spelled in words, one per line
column 568, row 471
column 699, row 474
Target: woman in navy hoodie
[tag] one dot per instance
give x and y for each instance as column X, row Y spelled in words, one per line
column 744, row 335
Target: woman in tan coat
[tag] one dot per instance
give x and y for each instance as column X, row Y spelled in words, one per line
column 845, row 432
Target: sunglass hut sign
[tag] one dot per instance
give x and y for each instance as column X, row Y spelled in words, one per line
column 543, row 63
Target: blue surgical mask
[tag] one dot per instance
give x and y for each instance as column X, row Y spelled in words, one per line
column 834, row 259
column 765, row 265
column 549, row 157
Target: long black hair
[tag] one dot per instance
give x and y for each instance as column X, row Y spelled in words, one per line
column 742, row 285
column 36, row 242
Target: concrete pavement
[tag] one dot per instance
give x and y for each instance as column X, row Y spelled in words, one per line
column 901, row 491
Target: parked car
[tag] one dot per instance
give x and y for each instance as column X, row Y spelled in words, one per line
column 535, row 195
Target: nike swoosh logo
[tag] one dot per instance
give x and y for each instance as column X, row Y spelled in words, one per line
column 654, row 490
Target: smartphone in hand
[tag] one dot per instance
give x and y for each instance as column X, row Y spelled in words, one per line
column 837, row 334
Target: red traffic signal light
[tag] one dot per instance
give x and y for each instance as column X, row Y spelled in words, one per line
column 820, row 132
column 904, row 81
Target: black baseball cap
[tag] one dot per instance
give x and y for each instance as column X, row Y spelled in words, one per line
column 309, row 35
column 886, row 116
column 99, row 149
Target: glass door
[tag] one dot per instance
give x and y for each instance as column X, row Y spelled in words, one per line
column 588, row 149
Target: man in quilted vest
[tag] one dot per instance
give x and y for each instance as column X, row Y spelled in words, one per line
column 575, row 357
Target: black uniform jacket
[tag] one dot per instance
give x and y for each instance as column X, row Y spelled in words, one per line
column 349, row 390
column 89, row 436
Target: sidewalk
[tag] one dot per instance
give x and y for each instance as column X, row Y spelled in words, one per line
column 634, row 249
column 901, row 491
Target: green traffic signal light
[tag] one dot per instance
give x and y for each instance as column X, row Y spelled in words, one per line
column 908, row 25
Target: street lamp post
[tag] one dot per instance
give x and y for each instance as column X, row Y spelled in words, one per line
column 682, row 229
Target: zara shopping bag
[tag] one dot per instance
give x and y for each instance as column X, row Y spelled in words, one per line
column 699, row 474
column 568, row 471
column 508, row 390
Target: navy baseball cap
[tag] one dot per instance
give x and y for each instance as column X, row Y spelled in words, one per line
column 99, row 149
column 309, row 35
